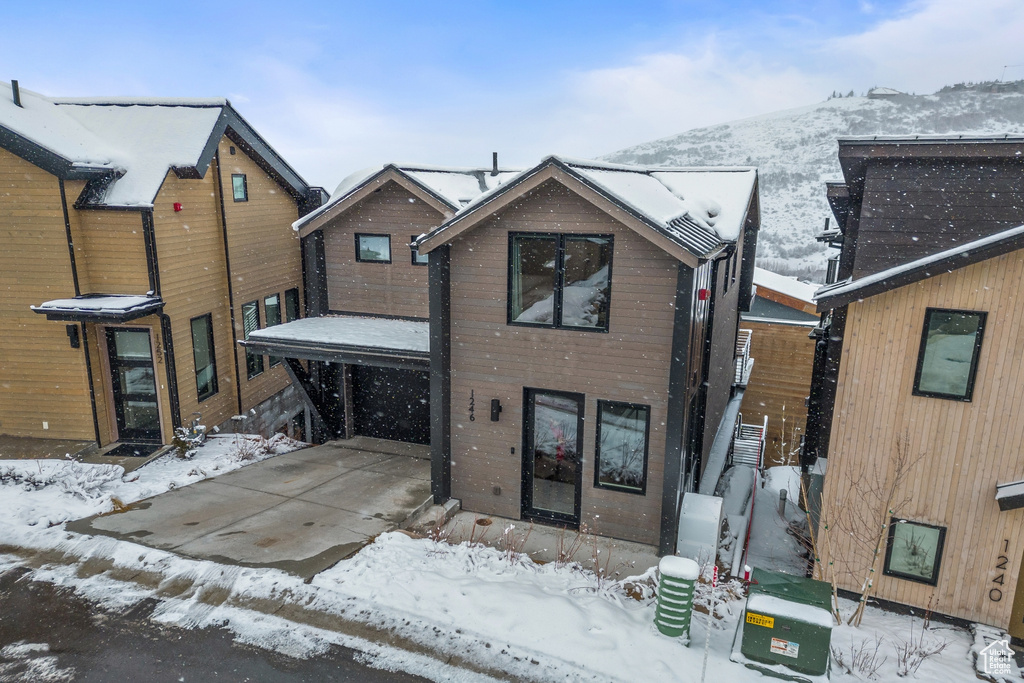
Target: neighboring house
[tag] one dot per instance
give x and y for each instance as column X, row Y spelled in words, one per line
column 583, row 323
column 142, row 238
column 883, row 93
column 367, row 338
column 781, row 317
column 921, row 345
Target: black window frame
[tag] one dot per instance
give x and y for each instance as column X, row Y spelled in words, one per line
column 208, row 317
column 256, row 358
column 556, row 313
column 359, row 259
column 968, row 394
column 416, row 253
column 527, row 509
column 292, row 295
column 273, row 361
column 642, row 491
column 890, row 540
column 245, row 188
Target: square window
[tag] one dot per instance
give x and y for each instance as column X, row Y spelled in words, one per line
column 417, row 258
column 373, row 248
column 251, row 323
column 291, row 304
column 203, row 355
column 948, row 359
column 623, row 430
column 561, row 281
column 238, row 187
column 272, row 307
column 914, row 551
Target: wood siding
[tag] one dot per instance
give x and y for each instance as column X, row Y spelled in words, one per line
column 496, row 360
column 264, row 253
column 721, row 362
column 110, row 250
column 779, row 383
column 397, row 288
column 41, row 377
column 912, row 209
column 966, row 448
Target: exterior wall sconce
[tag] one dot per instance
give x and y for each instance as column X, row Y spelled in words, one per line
column 495, row 409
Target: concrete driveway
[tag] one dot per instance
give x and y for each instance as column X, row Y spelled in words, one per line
column 301, row 512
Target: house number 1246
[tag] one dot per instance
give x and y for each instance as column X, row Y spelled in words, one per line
column 995, row 594
column 472, row 406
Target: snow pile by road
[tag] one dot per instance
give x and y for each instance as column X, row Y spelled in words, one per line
column 51, row 492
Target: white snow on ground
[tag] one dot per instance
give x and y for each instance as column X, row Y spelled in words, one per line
column 50, row 492
column 771, row 544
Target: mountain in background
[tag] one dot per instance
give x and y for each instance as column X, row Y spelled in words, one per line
column 796, row 153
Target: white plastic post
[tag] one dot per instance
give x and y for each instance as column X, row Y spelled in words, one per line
column 711, row 619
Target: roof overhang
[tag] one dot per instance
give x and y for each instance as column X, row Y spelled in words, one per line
column 388, row 174
column 50, row 161
column 96, row 308
column 552, row 169
column 842, row 293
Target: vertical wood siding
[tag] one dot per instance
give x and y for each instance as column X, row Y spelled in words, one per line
column 495, row 360
column 965, row 448
column 396, row 288
column 41, row 376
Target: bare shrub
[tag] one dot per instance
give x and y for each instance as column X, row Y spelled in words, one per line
column 911, row 653
column 511, row 543
column 862, row 660
column 248, row 447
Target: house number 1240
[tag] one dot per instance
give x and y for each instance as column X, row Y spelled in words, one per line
column 995, row 594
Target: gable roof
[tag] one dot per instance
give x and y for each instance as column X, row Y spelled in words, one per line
column 846, row 291
column 785, row 290
column 124, row 147
column 447, row 189
column 696, row 210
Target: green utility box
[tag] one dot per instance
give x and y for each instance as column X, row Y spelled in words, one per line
column 788, row 622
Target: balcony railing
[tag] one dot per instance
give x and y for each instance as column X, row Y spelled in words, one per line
column 748, row 443
column 744, row 363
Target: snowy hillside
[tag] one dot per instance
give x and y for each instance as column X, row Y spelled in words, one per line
column 795, row 151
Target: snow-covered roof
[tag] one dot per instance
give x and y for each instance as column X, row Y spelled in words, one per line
column 883, row 91
column 120, row 307
column 348, row 331
column 698, row 208
column 783, row 284
column 453, row 187
column 935, row 264
column 126, row 144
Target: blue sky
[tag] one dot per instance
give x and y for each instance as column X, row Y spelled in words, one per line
column 340, row 86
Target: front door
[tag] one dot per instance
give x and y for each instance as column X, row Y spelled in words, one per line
column 552, row 456
column 134, row 383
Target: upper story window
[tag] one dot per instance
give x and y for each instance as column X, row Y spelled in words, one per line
column 251, row 323
column 557, row 280
column 373, row 248
column 272, row 308
column 238, row 187
column 948, row 359
column 418, row 259
column 291, row 304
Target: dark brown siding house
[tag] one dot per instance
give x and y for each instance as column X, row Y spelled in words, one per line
column 922, row 354
column 141, row 238
column 583, row 323
column 361, row 359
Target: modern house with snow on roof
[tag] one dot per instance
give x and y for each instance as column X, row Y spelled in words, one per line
column 583, row 323
column 920, row 348
column 142, row 239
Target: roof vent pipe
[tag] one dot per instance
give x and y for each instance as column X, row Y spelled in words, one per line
column 494, row 163
column 17, row 93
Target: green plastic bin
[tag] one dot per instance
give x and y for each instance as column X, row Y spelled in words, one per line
column 788, row 621
column 675, row 595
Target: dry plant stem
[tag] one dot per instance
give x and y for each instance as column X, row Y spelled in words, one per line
column 812, row 541
column 826, row 527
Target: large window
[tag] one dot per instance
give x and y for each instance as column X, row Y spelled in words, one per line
column 202, row 353
column 239, row 190
column 914, row 551
column 251, row 323
column 559, row 280
column 272, row 309
column 373, row 248
column 622, row 435
column 948, row 359
column 291, row 304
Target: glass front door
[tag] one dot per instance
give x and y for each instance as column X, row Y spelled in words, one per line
column 552, row 462
column 134, row 383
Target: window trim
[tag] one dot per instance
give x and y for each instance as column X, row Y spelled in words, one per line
column 245, row 187
column 298, row 304
column 938, row 551
column 968, row 394
column 213, row 355
column 556, row 313
column 372, row 234
column 642, row 491
column 245, row 335
column 415, row 252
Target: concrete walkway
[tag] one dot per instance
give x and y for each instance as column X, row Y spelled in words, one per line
column 301, row 512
